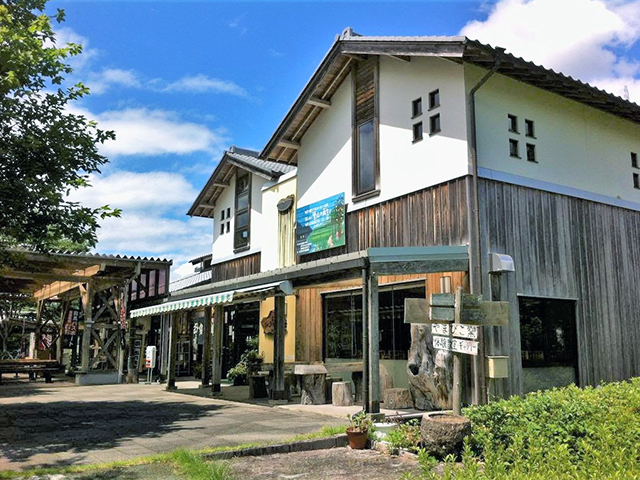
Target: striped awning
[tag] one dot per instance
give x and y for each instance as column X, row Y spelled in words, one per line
column 186, row 304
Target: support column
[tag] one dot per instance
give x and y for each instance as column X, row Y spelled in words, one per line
column 38, row 330
column 59, row 344
column 365, row 340
column 374, row 345
column 121, row 309
column 278, row 391
column 132, row 370
column 86, row 294
column 173, row 339
column 216, row 354
column 206, row 348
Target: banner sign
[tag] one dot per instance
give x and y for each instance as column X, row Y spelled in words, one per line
column 456, row 345
column 321, row 225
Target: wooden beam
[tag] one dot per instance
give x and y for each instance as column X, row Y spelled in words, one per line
column 402, row 58
column 206, row 348
column 221, row 183
column 289, row 144
column 374, row 345
column 278, row 390
column 86, row 292
column 365, row 340
column 207, row 206
column 216, row 353
column 318, row 102
column 173, row 350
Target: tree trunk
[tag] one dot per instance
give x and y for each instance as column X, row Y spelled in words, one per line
column 341, row 394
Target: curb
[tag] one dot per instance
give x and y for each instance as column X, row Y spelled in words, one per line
column 301, row 446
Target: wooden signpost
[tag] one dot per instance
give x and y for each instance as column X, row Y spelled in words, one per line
column 455, row 321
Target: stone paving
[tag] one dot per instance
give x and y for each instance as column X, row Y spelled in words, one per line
column 60, row 424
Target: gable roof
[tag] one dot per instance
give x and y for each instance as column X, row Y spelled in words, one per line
column 350, row 46
column 220, row 179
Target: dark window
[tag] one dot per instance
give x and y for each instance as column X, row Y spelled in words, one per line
column 228, row 226
column 416, row 107
column 636, row 180
column 548, row 332
column 514, row 151
column 529, row 128
column 417, row 132
column 434, row 124
column 634, row 160
column 366, row 156
column 242, row 211
column 343, row 322
column 222, row 228
column 513, row 123
column 228, row 212
column 531, row 152
column 222, row 218
column 434, row 99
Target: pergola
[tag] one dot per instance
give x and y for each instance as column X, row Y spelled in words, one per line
column 367, row 265
column 101, row 286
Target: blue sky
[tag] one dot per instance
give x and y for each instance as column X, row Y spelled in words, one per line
column 181, row 81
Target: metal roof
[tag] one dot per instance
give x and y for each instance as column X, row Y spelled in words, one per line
column 220, row 178
column 350, row 46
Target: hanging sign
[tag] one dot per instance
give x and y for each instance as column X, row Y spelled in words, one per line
column 321, row 225
column 455, row 330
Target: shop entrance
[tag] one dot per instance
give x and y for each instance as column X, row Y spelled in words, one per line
column 241, row 321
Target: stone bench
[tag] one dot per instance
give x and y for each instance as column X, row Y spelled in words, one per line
column 313, row 383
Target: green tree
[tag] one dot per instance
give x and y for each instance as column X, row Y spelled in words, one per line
column 45, row 151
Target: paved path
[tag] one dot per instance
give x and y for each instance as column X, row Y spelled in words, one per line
column 59, row 424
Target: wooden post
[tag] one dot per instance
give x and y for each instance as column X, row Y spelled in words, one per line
column 457, row 358
column 132, row 370
column 38, row 330
column 216, row 356
column 206, row 348
column 86, row 293
column 374, row 346
column 59, row 345
column 365, row 340
column 278, row 391
column 173, row 339
column 121, row 304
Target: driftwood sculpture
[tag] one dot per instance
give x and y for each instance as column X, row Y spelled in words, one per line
column 430, row 371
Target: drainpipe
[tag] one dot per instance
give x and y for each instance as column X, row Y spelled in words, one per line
column 473, row 223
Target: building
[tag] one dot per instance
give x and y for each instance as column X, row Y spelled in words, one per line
column 406, row 162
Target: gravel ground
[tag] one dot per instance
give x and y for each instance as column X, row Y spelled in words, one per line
column 336, row 463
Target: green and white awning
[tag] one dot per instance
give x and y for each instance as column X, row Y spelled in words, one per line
column 186, row 304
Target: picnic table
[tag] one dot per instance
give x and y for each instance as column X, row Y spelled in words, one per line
column 32, row 366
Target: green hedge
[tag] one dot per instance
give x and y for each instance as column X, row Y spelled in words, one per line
column 565, row 433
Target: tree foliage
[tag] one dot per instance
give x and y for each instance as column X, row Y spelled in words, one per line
column 45, row 150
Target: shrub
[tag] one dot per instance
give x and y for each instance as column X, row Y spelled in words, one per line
column 406, row 436
column 561, row 434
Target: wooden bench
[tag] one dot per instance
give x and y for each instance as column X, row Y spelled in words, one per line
column 30, row 366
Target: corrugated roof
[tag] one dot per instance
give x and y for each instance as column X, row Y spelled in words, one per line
column 93, row 256
column 220, row 178
column 335, row 67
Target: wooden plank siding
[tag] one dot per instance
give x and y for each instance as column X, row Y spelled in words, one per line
column 434, row 216
column 309, row 316
column 238, row 267
column 565, row 247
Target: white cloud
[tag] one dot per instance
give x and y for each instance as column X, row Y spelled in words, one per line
column 582, row 38
column 146, row 227
column 203, row 83
column 66, row 35
column 100, row 82
column 143, row 131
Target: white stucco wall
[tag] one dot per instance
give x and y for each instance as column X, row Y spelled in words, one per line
column 324, row 158
column 576, row 146
column 222, row 249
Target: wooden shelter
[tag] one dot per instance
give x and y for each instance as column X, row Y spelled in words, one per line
column 94, row 293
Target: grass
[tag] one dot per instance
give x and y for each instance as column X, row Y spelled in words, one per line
column 186, row 461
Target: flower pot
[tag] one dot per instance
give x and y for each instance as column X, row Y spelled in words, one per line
column 357, row 439
column 382, row 429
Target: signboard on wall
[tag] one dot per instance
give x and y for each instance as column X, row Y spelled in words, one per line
column 321, row 225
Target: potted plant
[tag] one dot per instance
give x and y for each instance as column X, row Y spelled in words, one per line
column 238, row 374
column 358, row 430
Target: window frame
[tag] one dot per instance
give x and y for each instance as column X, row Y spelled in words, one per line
column 417, row 138
column 513, row 141
column 416, row 112
column 636, row 181
column 433, row 131
column 245, row 246
column 434, row 95
column 513, row 122
column 357, row 194
column 529, row 132
column 634, row 160
column 531, row 147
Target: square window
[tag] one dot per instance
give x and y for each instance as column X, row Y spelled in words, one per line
column 531, row 152
column 417, row 132
column 513, row 123
column 416, row 107
column 434, row 99
column 529, row 129
column 222, row 229
column 634, row 160
column 636, row 181
column 514, row 151
column 434, row 124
